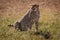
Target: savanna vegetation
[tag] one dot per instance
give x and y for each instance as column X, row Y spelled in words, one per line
column 9, row 14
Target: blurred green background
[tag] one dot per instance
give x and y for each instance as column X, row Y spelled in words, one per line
column 13, row 10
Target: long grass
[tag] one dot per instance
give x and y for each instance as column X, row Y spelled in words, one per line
column 52, row 25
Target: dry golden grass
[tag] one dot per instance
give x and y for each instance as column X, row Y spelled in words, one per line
column 49, row 19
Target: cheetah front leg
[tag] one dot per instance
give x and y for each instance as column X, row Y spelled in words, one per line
column 36, row 23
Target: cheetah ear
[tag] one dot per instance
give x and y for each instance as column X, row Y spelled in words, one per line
column 35, row 5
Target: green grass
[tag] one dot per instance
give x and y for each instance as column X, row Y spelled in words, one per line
column 7, row 33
